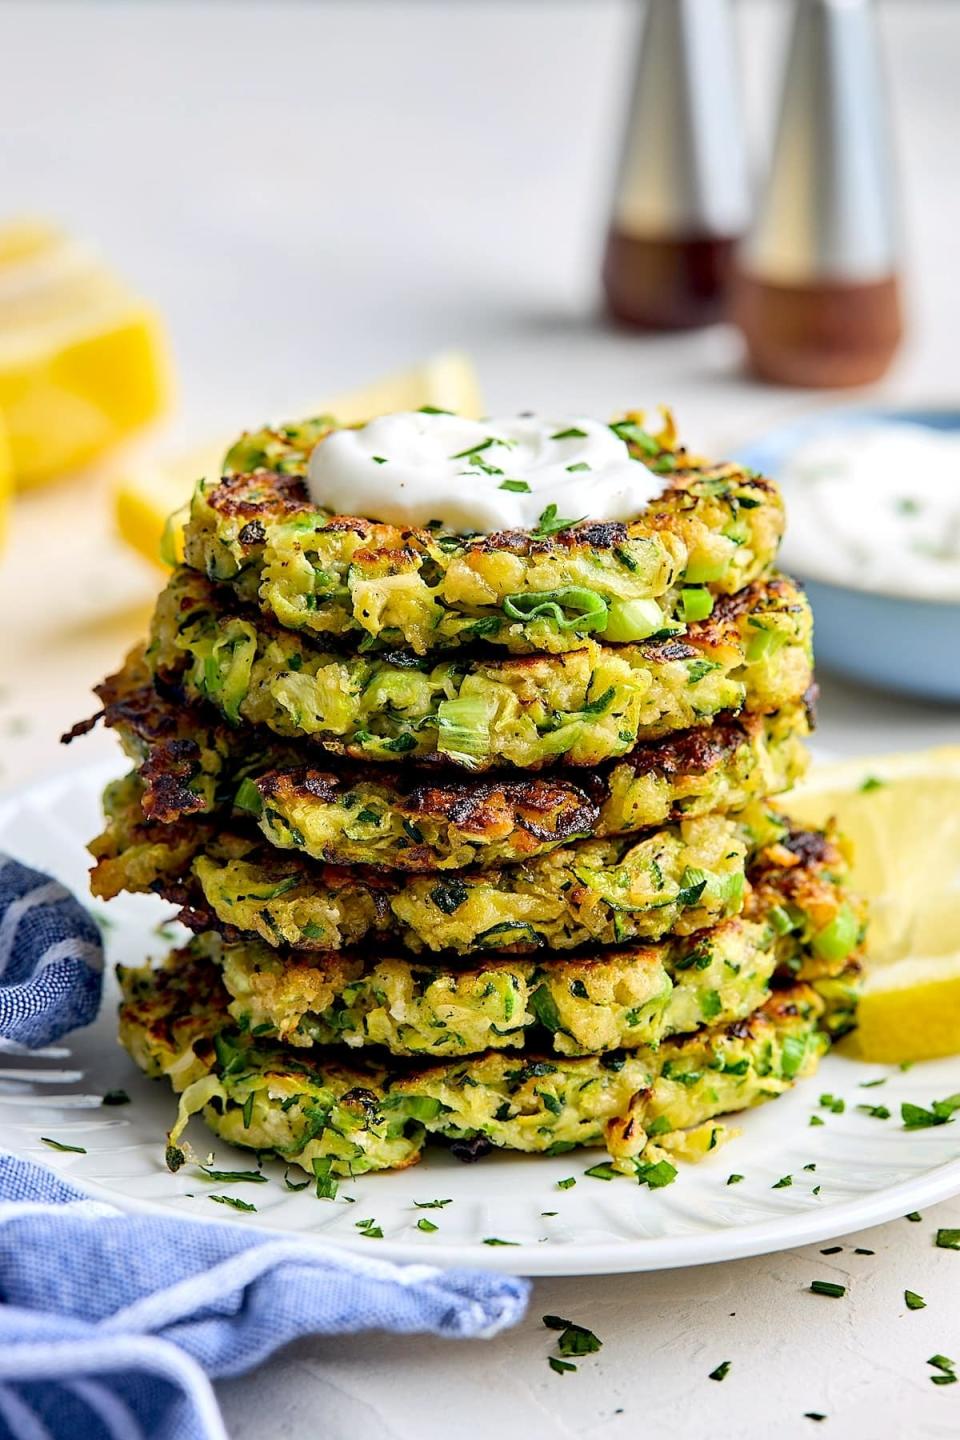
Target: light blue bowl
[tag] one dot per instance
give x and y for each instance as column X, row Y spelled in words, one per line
column 912, row 646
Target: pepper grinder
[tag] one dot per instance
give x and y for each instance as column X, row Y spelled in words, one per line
column 682, row 197
column 817, row 295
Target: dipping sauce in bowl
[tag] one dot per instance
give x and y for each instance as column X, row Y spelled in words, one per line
column 877, row 508
column 873, row 532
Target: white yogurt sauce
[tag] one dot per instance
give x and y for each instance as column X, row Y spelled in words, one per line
column 479, row 475
column 877, row 509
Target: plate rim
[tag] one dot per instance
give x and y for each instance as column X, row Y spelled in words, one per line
column 620, row 1257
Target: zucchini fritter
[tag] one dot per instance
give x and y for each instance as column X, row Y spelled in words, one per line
column 607, row 1000
column 798, row 880
column 588, row 705
column 189, row 762
column 407, row 823
column 337, row 1120
column 389, row 587
column 678, row 879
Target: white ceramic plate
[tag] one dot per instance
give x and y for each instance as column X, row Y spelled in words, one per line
column 867, row 1170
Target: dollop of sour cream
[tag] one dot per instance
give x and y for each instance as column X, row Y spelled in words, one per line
column 877, row 508
column 479, row 476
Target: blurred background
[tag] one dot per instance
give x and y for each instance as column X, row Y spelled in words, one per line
column 311, row 196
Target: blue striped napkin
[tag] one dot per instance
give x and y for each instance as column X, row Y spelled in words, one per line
column 50, row 958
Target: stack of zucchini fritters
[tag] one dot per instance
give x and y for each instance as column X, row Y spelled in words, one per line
column 474, row 832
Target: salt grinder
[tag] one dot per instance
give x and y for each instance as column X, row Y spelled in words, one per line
column 817, row 294
column 682, row 197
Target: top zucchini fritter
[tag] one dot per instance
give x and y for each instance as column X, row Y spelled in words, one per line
column 714, row 525
column 583, row 707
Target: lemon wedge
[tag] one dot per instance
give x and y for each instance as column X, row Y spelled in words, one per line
column 82, row 358
column 145, row 499
column 910, row 1010
column 902, row 816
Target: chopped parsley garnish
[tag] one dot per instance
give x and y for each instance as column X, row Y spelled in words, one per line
column 550, row 523
column 326, row 1184
column 914, row 1301
column 517, row 487
column 603, row 1171
column 478, row 463
column 574, row 1339
column 871, row 1084
column 871, row 782
column 940, row 1113
column 572, row 434
column 559, row 1366
column 475, row 449
column 567, row 1184
column 833, row 1103
column 721, row 1372
column 812, row 1165
column 227, row 1177
column 370, row 1229
column 914, row 1215
column 232, row 1201
column 426, row 1225
column 827, row 1287
column 431, row 1204
column 289, row 1184
column 817, row 1120
column 946, row 1239
column 59, row 1145
column 783, row 1183
column 734, row 1179
column 549, row 1214
column 494, row 1240
column 116, row 1097
column 633, row 434
column 861, row 1250
column 832, row 1250
column 580, row 465
column 813, row 1415
column 946, row 1367
column 656, row 1176
column 379, row 459
column 432, row 410
column 879, row 1112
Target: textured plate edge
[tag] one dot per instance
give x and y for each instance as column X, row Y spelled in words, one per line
column 616, row 1258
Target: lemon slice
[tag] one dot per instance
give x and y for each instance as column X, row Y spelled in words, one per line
column 82, row 358
column 902, row 816
column 910, row 1010
column 145, row 499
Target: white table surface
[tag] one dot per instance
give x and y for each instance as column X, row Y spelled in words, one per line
column 316, row 194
